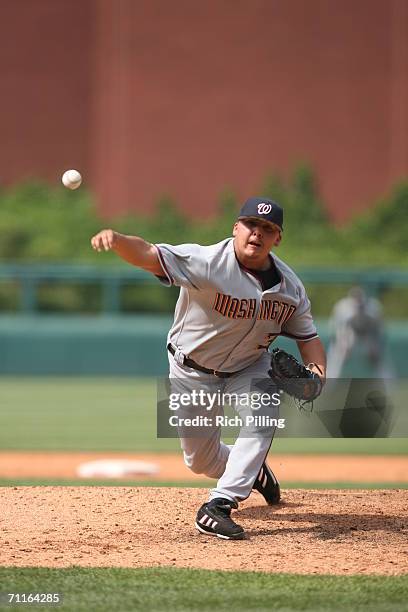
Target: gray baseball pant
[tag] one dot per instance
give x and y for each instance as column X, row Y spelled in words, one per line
column 236, row 467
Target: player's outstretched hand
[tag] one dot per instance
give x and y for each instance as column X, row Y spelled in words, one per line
column 105, row 239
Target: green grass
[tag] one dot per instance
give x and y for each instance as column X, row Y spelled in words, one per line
column 31, row 482
column 80, row 414
column 168, row 589
column 344, row 485
column 205, row 484
column 342, row 446
column 108, row 414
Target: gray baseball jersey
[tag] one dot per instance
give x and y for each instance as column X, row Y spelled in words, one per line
column 223, row 319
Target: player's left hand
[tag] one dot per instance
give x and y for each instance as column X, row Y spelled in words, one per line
column 298, row 381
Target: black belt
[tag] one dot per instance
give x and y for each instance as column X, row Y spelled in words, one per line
column 192, row 364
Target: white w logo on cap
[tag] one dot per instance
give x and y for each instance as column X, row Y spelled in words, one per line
column 264, row 209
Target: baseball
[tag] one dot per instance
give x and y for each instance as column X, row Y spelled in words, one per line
column 72, row 179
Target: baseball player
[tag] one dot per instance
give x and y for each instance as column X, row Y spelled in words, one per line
column 236, row 298
column 357, row 326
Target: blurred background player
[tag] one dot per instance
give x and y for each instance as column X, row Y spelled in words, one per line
column 357, row 334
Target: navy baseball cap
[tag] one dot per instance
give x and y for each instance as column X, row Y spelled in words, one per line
column 264, row 209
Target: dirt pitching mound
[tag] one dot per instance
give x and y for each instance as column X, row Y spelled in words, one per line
column 311, row 532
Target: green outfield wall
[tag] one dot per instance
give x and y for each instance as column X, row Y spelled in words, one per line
column 121, row 345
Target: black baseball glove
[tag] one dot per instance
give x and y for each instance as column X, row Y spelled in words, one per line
column 294, row 378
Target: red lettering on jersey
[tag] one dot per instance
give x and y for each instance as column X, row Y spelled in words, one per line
column 282, row 313
column 233, row 307
column 267, row 308
column 289, row 313
column 217, row 301
column 242, row 311
column 252, row 309
column 262, row 309
column 275, row 309
column 225, row 304
column 271, row 310
column 221, row 303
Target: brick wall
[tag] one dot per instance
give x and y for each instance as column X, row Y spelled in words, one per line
column 148, row 97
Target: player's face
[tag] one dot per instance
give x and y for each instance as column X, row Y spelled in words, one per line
column 253, row 239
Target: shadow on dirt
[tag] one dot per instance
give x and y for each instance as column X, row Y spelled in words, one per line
column 324, row 526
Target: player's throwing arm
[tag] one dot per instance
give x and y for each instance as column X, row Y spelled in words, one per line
column 132, row 249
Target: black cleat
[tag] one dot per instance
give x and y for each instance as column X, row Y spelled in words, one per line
column 214, row 518
column 267, row 484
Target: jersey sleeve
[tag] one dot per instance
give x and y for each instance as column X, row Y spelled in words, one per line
column 301, row 326
column 184, row 265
